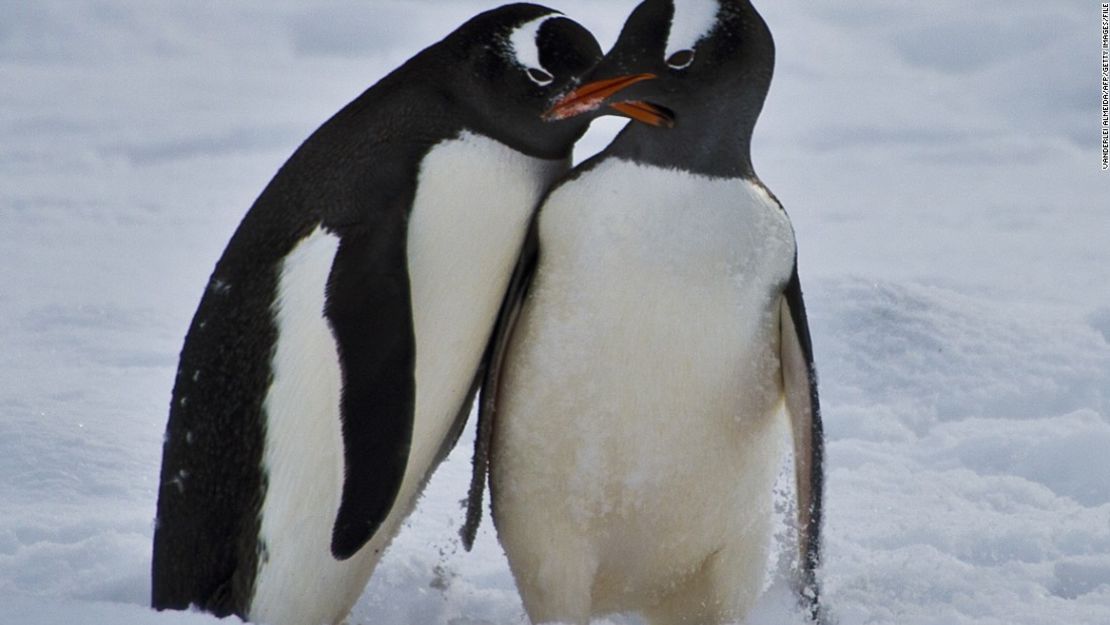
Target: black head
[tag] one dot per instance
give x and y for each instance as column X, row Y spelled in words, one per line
column 504, row 68
column 695, row 73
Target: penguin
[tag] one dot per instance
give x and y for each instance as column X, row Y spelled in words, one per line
column 653, row 338
column 337, row 347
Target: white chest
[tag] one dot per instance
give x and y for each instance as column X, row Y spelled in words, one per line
column 691, row 265
column 472, row 208
column 670, row 221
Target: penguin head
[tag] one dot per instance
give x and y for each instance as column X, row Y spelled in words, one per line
column 682, row 63
column 516, row 62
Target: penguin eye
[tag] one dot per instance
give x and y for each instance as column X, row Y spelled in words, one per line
column 540, row 77
column 681, row 59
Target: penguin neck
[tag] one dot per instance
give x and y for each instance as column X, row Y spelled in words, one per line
column 700, row 148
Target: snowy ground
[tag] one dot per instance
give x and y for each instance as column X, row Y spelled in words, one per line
column 939, row 160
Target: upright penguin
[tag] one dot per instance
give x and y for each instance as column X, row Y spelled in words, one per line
column 335, row 352
column 653, row 330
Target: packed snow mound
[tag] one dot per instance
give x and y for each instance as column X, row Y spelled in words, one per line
column 937, row 355
column 967, row 444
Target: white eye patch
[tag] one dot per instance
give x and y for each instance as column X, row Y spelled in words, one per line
column 693, row 20
column 526, row 50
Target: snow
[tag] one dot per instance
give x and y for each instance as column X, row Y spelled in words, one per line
column 940, row 164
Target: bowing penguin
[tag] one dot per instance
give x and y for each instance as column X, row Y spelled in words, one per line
column 335, row 352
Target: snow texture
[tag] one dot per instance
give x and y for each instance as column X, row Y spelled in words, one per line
column 940, row 164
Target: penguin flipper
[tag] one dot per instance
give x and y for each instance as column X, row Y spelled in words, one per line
column 491, row 380
column 800, row 387
column 370, row 312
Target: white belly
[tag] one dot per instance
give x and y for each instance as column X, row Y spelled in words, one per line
column 638, row 415
column 468, row 220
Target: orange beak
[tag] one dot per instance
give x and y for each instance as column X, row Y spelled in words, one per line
column 592, row 95
column 645, row 112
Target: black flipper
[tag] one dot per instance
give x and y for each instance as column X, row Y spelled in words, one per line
column 370, row 313
column 799, row 378
column 491, row 380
